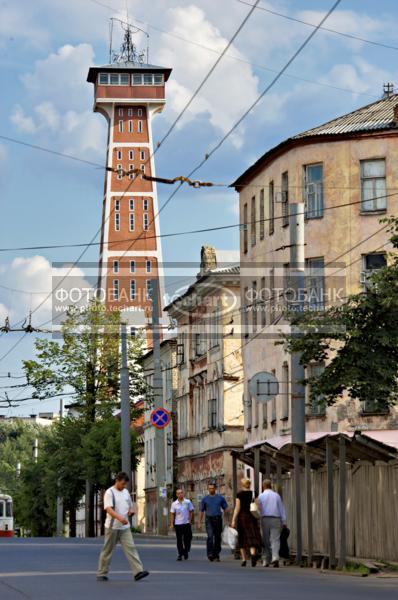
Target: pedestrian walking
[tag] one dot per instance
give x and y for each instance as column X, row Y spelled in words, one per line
column 246, row 524
column 273, row 518
column 119, row 508
column 212, row 506
column 181, row 515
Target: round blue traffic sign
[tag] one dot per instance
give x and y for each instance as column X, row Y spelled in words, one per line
column 160, row 418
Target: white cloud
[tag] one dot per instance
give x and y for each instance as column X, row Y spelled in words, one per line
column 21, row 121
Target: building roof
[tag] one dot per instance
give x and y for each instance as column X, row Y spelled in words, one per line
column 129, row 67
column 381, row 115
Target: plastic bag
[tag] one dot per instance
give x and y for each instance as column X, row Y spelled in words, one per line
column 230, row 537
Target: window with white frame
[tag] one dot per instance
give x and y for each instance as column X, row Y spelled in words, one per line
column 129, row 112
column 131, row 221
column 131, row 203
column 285, row 392
column 132, row 266
column 145, row 203
column 133, row 289
column 119, row 155
column 117, row 221
column 370, row 264
column 373, row 185
column 149, row 289
column 148, row 266
column 137, row 79
column 120, row 126
column 131, row 171
column 124, row 79
column 315, row 283
column 142, row 154
column 317, row 406
column 116, row 266
column 146, row 222
column 158, row 79
column 213, row 412
column 104, row 78
column 120, row 112
column 140, row 128
column 119, row 170
column 117, row 204
column 130, row 126
column 131, row 154
column 139, row 112
column 148, row 79
column 313, row 191
column 115, row 289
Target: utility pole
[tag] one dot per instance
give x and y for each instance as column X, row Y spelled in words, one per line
column 160, row 443
column 60, row 504
column 125, row 406
column 297, row 370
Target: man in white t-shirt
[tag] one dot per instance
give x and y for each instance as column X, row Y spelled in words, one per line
column 119, row 507
column 181, row 515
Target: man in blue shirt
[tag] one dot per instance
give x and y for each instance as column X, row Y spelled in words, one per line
column 212, row 506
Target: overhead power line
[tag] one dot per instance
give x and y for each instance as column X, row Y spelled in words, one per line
column 328, row 29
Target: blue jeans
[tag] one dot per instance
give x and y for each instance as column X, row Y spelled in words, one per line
column 214, row 532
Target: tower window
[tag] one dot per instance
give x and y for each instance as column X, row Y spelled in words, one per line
column 116, row 266
column 120, row 112
column 119, row 155
column 131, row 171
column 103, row 78
column 137, row 79
column 117, row 204
column 131, row 203
column 139, row 126
column 131, row 222
column 148, row 266
column 131, row 154
column 148, row 79
column 124, row 79
column 158, row 79
column 115, row 289
column 114, row 78
column 145, row 203
column 119, row 169
column 139, row 112
column 130, row 112
column 130, row 126
column 142, row 154
column 146, row 222
column 117, row 221
column 133, row 291
column 149, row 289
column 120, row 126
column 132, row 266
column 143, row 168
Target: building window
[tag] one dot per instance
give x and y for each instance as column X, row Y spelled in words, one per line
column 317, row 407
column 146, row 222
column 149, row 289
column 142, row 168
column 131, row 171
column 103, row 78
column 120, row 126
column 116, row 266
column 263, row 303
column 137, row 79
column 130, row 112
column 272, row 293
column 148, row 266
column 254, row 306
column 131, row 221
column 131, row 203
column 313, row 191
column 262, row 215
column 131, row 154
column 139, row 126
column 370, row 264
column 271, row 207
column 285, row 391
column 142, row 154
column 285, row 198
column 119, row 155
column 315, row 283
column 117, row 204
column 139, row 112
column 115, row 289
column 120, row 112
column 245, row 229
column 373, row 185
column 148, row 79
column 132, row 266
column 245, row 313
column 119, row 170
column 253, row 224
column 145, row 203
column 130, row 126
column 117, row 221
column 132, row 289
column 133, row 332
column 124, row 79
column 158, row 79
column 213, row 413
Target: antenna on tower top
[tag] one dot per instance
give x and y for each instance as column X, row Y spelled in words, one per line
column 128, row 50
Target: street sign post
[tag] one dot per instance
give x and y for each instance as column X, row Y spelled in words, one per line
column 264, row 386
column 160, row 418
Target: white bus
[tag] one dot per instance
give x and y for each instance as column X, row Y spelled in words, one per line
column 6, row 516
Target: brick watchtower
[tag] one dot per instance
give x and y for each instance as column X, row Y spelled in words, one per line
column 129, row 93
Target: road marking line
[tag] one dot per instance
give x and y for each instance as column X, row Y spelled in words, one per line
column 68, row 573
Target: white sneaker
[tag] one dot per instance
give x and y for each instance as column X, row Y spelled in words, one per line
column 265, row 563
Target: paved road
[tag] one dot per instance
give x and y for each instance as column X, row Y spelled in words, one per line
column 50, row 569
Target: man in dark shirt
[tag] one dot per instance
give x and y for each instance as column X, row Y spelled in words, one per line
column 213, row 506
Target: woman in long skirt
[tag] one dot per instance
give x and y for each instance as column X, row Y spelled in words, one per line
column 247, row 524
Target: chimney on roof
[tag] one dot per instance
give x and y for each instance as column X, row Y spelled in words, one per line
column 388, row 89
column 208, row 259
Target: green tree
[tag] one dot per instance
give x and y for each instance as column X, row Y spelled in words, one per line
column 358, row 341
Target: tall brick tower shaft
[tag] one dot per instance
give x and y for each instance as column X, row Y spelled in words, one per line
column 129, row 93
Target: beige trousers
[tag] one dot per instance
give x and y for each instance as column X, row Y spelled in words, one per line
column 112, row 537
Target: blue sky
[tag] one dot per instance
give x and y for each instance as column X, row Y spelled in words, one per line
column 45, row 51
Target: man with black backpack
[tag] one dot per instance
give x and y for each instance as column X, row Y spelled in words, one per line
column 119, row 507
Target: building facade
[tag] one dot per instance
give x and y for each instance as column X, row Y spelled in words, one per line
column 168, row 358
column 343, row 176
column 209, row 378
column 129, row 94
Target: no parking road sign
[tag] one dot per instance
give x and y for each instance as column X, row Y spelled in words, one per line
column 160, row 418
